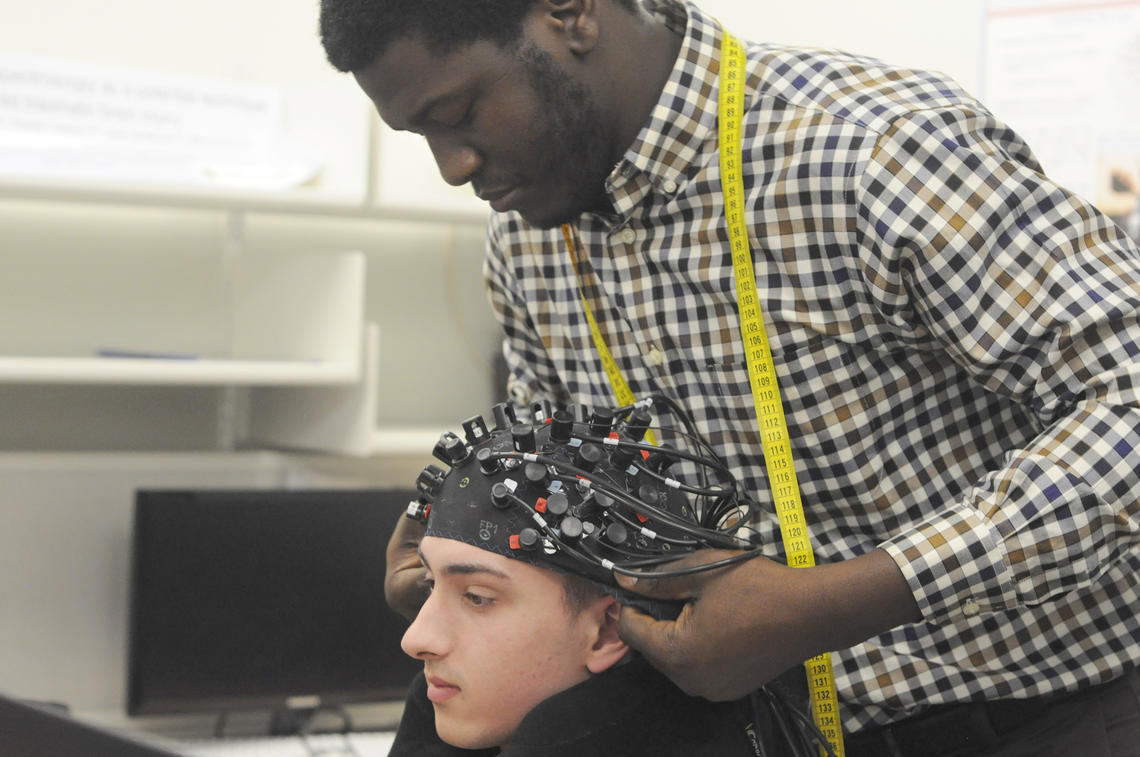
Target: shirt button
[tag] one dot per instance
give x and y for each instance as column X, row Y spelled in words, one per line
column 520, row 393
column 654, row 358
column 669, row 186
column 628, row 236
column 970, row 608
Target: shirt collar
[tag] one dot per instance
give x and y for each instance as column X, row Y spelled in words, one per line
column 685, row 115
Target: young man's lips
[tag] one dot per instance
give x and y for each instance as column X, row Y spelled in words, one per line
column 440, row 691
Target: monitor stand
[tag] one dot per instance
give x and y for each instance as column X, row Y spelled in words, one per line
column 297, row 721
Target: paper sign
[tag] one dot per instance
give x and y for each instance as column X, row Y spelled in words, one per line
column 67, row 120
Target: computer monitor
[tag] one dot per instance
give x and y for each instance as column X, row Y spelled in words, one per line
column 250, row 599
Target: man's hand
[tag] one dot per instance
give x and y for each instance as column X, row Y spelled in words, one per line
column 404, row 586
column 745, row 624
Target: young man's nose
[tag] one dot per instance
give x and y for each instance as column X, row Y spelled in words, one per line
column 457, row 162
column 425, row 637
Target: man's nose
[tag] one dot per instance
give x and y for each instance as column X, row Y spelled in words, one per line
column 425, row 637
column 457, row 161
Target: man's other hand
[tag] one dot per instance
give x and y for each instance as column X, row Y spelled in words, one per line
column 405, row 587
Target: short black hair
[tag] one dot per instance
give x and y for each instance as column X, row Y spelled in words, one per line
column 578, row 593
column 355, row 32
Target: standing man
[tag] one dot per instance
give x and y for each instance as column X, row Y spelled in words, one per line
column 956, row 338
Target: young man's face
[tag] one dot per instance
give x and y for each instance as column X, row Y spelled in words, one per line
column 496, row 638
column 512, row 122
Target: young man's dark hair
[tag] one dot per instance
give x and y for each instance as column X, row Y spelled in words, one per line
column 354, row 32
column 577, row 594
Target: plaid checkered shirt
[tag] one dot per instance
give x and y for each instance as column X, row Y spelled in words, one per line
column 957, row 341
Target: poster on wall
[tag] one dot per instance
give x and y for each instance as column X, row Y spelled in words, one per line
column 1066, row 75
column 82, row 121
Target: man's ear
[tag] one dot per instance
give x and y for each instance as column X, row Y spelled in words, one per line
column 575, row 21
column 607, row 648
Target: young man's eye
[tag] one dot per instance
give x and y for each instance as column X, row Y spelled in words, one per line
column 477, row 600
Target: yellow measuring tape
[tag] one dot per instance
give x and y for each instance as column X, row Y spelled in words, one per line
column 761, row 372
column 621, row 389
column 762, row 376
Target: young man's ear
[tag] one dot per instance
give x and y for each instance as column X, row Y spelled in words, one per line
column 607, row 649
column 575, row 21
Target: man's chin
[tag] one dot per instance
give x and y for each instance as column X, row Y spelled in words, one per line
column 548, row 220
column 552, row 214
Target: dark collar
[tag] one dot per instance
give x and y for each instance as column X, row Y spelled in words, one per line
column 633, row 711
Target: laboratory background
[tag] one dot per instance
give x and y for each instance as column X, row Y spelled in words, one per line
column 219, row 270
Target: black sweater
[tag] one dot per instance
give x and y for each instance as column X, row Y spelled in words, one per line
column 628, row 711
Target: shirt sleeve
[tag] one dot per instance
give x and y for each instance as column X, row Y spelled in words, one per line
column 972, row 251
column 531, row 373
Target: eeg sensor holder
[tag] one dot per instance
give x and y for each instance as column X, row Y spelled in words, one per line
column 583, row 492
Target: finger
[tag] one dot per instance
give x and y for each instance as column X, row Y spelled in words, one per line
column 658, row 588
column 655, row 639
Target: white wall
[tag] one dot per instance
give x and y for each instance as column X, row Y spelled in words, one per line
column 928, row 34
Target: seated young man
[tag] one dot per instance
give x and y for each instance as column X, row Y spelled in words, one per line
column 521, row 660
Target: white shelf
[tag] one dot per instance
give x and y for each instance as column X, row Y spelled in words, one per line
column 284, row 329
column 188, row 196
column 245, row 319
column 444, row 208
column 327, row 419
column 48, row 370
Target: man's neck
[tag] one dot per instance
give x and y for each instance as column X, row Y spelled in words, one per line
column 642, row 52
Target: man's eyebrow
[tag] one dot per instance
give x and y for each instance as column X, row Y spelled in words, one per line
column 465, row 568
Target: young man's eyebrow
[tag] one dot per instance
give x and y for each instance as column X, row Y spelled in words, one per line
column 467, row 569
column 464, row 568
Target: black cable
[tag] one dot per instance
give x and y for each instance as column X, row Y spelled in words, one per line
column 668, row 539
column 813, row 731
column 803, row 740
column 706, row 491
column 786, row 731
column 693, row 570
column 709, row 459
